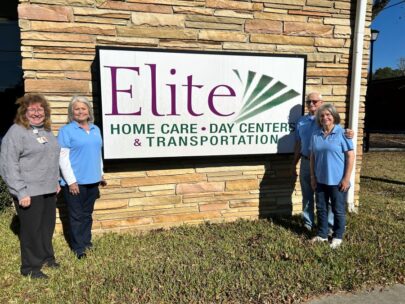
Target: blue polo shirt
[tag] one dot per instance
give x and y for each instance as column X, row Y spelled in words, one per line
column 330, row 155
column 304, row 128
column 85, row 151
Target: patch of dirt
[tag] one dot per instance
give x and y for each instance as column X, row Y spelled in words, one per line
column 379, row 140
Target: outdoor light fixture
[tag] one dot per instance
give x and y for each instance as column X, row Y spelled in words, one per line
column 374, row 35
column 373, row 38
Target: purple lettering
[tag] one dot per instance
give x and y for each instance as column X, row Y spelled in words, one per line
column 172, row 96
column 115, row 91
column 221, row 90
column 153, row 89
column 212, row 95
column 190, row 86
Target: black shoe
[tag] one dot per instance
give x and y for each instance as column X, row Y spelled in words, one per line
column 52, row 264
column 81, row 256
column 36, row 275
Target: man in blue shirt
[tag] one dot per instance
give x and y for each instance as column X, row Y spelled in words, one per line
column 304, row 128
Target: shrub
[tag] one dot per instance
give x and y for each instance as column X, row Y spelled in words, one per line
column 5, row 197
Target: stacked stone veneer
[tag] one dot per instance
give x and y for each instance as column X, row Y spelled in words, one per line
column 58, row 48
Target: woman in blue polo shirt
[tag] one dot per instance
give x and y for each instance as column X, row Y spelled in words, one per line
column 331, row 160
column 82, row 171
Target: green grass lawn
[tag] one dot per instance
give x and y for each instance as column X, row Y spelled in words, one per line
column 246, row 261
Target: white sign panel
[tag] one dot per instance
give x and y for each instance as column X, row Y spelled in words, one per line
column 171, row 104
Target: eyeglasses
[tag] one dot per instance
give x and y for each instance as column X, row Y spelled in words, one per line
column 39, row 110
column 314, row 101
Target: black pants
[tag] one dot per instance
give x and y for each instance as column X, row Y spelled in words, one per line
column 37, row 225
column 80, row 211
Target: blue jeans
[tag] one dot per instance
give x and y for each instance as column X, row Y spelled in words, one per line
column 324, row 193
column 308, row 195
column 80, row 209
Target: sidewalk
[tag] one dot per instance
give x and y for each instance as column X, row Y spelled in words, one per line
column 388, row 295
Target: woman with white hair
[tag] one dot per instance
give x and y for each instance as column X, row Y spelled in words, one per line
column 331, row 163
column 82, row 171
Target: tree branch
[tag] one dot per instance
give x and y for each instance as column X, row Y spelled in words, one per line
column 378, row 6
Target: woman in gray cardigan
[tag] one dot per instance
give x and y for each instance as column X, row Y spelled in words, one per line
column 29, row 164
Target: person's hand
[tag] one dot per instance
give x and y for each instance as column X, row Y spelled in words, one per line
column 74, row 189
column 103, row 182
column 349, row 133
column 25, row 201
column 57, row 189
column 344, row 185
column 313, row 183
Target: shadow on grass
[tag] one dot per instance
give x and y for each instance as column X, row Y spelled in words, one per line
column 15, row 225
column 63, row 216
column 293, row 223
column 60, row 205
column 384, row 180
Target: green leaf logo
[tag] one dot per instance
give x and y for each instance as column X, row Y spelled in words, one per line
column 262, row 96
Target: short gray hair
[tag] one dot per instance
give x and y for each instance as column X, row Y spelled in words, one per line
column 331, row 109
column 83, row 100
column 313, row 93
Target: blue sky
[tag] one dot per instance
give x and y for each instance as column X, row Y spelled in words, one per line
column 390, row 45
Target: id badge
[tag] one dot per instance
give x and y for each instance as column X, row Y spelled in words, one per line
column 42, row 140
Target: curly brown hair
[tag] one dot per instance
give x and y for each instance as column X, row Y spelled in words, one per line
column 27, row 100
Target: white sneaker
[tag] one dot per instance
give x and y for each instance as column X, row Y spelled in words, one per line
column 336, row 243
column 318, row 239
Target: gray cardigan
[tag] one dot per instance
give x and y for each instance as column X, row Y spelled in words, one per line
column 29, row 167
